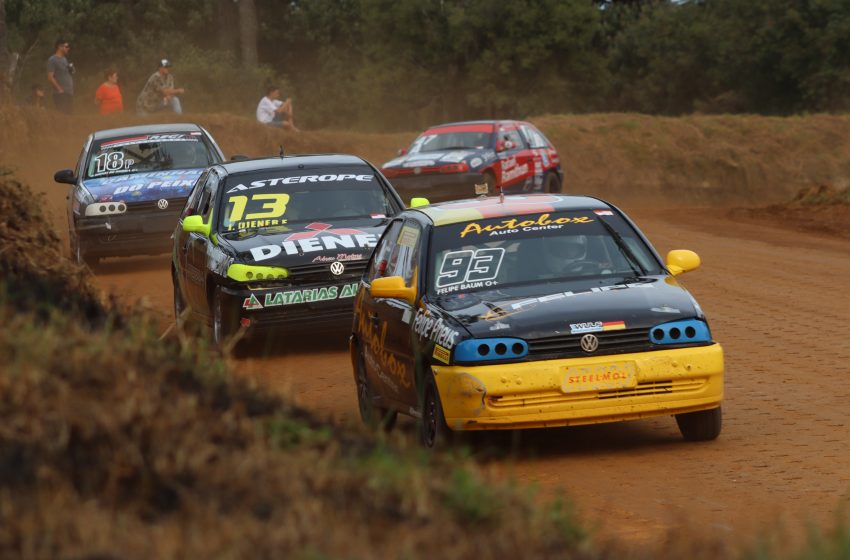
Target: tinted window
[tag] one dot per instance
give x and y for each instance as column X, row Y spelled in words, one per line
column 533, row 248
column 275, row 198
column 149, row 152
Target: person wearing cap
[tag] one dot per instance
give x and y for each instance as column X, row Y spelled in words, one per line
column 159, row 92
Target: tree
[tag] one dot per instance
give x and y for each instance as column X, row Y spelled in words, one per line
column 248, row 32
column 4, row 56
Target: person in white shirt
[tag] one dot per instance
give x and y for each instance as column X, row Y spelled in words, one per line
column 274, row 112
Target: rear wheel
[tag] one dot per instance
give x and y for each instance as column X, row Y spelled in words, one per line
column 370, row 414
column 704, row 425
column 434, row 431
column 551, row 184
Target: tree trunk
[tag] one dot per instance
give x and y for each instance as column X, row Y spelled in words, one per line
column 228, row 37
column 5, row 61
column 248, row 32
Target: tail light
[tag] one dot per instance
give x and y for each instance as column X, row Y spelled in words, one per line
column 454, row 168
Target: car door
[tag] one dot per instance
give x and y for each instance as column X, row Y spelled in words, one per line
column 181, row 238
column 515, row 159
column 385, row 337
column 196, row 246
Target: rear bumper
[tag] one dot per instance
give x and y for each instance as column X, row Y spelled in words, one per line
column 129, row 234
column 539, row 394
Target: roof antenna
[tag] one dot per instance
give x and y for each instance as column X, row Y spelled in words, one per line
column 281, row 150
column 501, row 195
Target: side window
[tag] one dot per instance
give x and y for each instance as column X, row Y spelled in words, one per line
column 205, row 205
column 195, row 196
column 533, row 137
column 380, row 260
column 509, row 135
column 404, row 260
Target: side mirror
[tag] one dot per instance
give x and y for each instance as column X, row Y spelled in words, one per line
column 392, row 287
column 418, row 201
column 65, row 176
column 239, row 157
column 682, row 260
column 196, row 224
column 402, row 151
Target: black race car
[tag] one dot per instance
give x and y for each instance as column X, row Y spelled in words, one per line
column 446, row 162
column 530, row 312
column 279, row 242
column 130, row 185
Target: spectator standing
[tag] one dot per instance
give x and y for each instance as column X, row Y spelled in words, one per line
column 159, row 92
column 108, row 94
column 274, row 112
column 60, row 74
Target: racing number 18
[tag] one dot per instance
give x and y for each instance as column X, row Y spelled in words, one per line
column 275, row 208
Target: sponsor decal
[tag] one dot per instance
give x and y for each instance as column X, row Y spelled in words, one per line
column 375, row 349
column 498, row 326
column 420, row 163
column 562, row 295
column 406, row 315
column 664, row 309
column 409, row 236
column 603, row 212
column 441, row 354
column 293, row 297
column 545, row 157
column 378, row 216
column 475, row 162
column 345, row 257
column 148, row 138
column 454, row 157
column 515, row 173
column 596, row 326
column 300, row 179
column 323, row 237
column 434, row 328
column 251, row 302
column 515, row 225
column 466, row 270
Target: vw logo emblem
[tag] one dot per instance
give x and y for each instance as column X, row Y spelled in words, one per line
column 337, row 268
column 162, row 204
column 589, row 343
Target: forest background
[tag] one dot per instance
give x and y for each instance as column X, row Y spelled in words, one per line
column 387, row 65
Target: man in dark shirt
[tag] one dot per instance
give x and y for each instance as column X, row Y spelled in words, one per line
column 60, row 75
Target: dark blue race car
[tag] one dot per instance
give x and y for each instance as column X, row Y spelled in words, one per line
column 130, row 185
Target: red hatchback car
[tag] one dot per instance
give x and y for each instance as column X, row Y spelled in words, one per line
column 445, row 162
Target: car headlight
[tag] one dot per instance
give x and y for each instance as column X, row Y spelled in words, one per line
column 105, row 208
column 252, row 273
column 490, row 349
column 680, row 332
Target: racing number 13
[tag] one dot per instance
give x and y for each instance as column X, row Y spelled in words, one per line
column 275, row 208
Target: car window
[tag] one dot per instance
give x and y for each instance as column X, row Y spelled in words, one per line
column 205, row 203
column 149, row 152
column 534, row 248
column 404, row 257
column 195, row 196
column 278, row 198
column 380, row 261
column 510, row 135
column 534, row 138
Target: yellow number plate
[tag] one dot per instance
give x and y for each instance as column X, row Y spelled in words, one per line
column 599, row 377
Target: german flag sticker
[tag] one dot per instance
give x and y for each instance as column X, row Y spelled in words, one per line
column 613, row 326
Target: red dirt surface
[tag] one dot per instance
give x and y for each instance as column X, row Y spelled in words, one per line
column 776, row 299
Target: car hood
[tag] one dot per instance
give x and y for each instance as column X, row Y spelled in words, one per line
column 138, row 187
column 640, row 303
column 474, row 157
column 307, row 243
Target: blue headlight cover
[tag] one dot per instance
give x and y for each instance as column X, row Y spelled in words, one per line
column 490, row 349
column 680, row 332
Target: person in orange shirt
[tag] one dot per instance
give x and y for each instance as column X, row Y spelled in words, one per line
column 108, row 94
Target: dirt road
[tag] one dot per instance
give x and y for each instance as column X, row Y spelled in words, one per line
column 775, row 299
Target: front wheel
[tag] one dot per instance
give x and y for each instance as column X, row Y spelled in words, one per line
column 434, row 431
column 704, row 425
column 79, row 254
column 224, row 320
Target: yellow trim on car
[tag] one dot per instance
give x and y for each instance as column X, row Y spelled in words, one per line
column 251, row 273
column 539, row 394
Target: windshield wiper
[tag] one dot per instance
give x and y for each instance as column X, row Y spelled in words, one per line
column 634, row 263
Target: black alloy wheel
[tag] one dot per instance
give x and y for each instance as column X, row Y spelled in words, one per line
column 370, row 414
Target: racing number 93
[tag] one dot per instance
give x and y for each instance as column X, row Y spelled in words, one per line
column 273, row 207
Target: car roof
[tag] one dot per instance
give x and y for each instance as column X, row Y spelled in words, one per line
column 492, row 122
column 458, row 211
column 146, row 129
column 291, row 162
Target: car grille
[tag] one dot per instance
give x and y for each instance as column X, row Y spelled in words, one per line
column 174, row 205
column 321, row 272
column 569, row 346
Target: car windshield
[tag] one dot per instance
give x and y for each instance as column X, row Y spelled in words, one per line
column 277, row 198
column 149, row 152
column 435, row 140
column 536, row 248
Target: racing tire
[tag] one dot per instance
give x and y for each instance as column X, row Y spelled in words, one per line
column 224, row 321
column 373, row 416
column 179, row 305
column 78, row 253
column 551, row 183
column 433, row 430
column 704, row 425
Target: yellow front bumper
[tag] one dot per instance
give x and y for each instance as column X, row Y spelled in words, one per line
column 557, row 393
